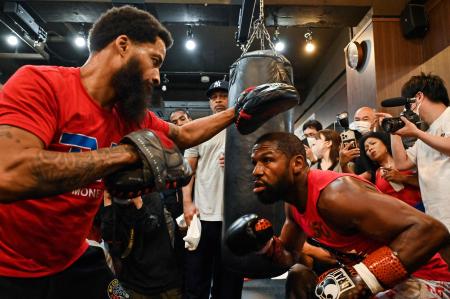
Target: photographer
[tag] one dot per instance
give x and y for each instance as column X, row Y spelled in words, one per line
column 137, row 234
column 431, row 153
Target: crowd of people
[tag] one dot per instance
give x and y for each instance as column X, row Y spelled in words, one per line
column 368, row 213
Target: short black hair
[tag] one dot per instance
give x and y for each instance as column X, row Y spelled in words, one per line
column 288, row 143
column 312, row 123
column 181, row 110
column 431, row 85
column 138, row 25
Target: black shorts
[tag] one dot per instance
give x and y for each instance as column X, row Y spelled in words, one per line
column 88, row 278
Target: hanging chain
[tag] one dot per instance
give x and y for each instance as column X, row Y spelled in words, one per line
column 259, row 32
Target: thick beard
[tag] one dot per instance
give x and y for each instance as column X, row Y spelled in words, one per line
column 132, row 92
column 273, row 193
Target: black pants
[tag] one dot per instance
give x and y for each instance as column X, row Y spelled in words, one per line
column 204, row 264
column 89, row 278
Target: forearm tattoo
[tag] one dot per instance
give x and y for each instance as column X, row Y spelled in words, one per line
column 57, row 172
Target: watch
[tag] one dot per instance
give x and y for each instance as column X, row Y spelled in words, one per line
column 355, row 55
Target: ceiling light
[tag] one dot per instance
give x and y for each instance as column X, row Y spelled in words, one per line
column 12, row 40
column 79, row 41
column 190, row 42
column 279, row 46
column 310, row 47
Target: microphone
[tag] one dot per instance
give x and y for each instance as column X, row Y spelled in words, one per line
column 400, row 101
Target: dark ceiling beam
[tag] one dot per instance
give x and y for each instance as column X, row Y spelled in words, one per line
column 22, row 34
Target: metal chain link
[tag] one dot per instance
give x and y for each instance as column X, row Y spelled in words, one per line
column 259, row 32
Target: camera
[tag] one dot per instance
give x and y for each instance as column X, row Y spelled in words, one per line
column 392, row 124
column 342, row 119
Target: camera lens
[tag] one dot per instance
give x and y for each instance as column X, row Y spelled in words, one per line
column 392, row 124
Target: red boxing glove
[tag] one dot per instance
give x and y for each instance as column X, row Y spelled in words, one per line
column 256, row 105
column 378, row 271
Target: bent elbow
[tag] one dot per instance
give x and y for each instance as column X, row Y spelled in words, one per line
column 436, row 230
column 11, row 187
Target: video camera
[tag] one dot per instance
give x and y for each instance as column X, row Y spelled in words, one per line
column 392, row 124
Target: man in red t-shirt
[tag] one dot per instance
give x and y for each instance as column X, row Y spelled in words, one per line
column 59, row 128
column 386, row 248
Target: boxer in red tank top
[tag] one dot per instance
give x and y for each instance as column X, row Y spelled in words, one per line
column 387, row 249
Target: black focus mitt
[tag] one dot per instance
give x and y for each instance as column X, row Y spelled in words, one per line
column 162, row 166
column 256, row 105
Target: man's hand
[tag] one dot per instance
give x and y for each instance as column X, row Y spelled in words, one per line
column 189, row 210
column 310, row 155
column 346, row 154
column 222, row 159
column 382, row 115
column 137, row 201
column 409, row 130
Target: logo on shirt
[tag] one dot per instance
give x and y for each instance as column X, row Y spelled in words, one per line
column 116, row 291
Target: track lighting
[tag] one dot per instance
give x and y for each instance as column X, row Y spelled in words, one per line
column 190, row 42
column 310, row 47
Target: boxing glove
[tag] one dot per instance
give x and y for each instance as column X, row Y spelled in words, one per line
column 380, row 270
column 162, row 166
column 249, row 233
column 256, row 105
column 341, row 283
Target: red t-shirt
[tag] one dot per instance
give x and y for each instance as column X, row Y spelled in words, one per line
column 315, row 227
column 40, row 237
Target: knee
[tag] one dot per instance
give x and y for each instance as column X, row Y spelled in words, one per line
column 300, row 282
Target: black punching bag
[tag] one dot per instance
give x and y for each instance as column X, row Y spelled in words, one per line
column 253, row 68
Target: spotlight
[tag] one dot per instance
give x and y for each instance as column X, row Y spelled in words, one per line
column 310, row 47
column 79, row 41
column 279, row 45
column 164, row 82
column 12, row 40
column 190, row 42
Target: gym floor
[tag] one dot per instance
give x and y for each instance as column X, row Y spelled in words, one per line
column 264, row 289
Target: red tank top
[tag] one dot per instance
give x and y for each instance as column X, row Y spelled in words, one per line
column 315, row 227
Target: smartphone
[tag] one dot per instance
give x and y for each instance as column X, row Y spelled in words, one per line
column 348, row 137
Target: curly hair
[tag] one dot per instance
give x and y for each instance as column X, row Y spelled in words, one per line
column 138, row 25
column 430, row 85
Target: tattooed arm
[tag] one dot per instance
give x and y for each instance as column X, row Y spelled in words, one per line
column 29, row 171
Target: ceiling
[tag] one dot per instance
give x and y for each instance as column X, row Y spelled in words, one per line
column 214, row 24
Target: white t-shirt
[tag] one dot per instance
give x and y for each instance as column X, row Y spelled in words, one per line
column 434, row 171
column 209, row 177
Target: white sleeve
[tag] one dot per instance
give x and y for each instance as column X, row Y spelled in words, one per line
column 412, row 152
column 192, row 152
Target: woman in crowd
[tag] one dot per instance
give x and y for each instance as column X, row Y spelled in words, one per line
column 376, row 151
column 326, row 149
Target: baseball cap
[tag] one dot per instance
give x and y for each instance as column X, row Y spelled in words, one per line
column 217, row 85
